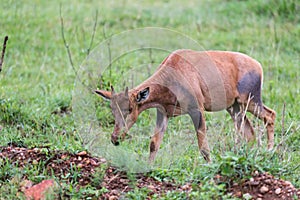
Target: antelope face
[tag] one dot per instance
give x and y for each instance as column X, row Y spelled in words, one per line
column 124, row 110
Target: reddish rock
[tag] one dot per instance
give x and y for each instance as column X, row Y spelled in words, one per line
column 38, row 191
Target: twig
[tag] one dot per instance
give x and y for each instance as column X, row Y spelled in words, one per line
column 65, row 42
column 3, row 52
column 113, row 178
column 93, row 35
column 284, row 139
column 282, row 120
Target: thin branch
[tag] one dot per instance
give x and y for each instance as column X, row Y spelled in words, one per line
column 65, row 42
column 93, row 35
column 282, row 120
column 3, row 52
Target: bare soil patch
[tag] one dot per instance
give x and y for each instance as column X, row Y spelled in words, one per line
column 118, row 183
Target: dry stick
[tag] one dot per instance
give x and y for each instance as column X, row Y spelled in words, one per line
column 282, row 120
column 282, row 126
column 65, row 42
column 3, row 52
column 68, row 49
column 93, row 35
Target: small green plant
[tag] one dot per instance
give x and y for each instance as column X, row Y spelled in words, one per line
column 98, row 175
column 138, row 194
column 7, row 170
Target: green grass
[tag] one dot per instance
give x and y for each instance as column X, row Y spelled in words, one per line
column 37, row 80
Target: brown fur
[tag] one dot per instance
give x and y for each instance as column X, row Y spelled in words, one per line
column 191, row 82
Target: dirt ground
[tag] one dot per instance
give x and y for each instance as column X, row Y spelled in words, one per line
column 260, row 186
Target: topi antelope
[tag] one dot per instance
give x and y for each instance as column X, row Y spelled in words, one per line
column 191, row 82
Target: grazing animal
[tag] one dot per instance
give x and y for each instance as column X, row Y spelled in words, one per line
column 191, row 82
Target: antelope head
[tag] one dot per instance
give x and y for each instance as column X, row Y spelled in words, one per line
column 125, row 109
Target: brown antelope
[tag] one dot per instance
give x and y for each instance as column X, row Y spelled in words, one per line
column 191, row 82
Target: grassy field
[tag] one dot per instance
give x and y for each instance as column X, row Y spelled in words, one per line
column 37, row 80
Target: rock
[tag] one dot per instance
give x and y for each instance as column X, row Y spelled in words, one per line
column 252, row 182
column 114, row 192
column 259, row 199
column 287, row 183
column 40, row 190
column 113, row 197
column 264, row 189
column 278, row 191
column 268, row 181
column 186, row 187
column 151, row 187
column 94, row 163
column 238, row 194
column 82, row 153
column 260, row 195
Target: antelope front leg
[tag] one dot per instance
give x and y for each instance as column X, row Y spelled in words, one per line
column 199, row 124
column 161, row 126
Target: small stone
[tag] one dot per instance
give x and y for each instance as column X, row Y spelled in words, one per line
column 263, row 189
column 151, row 187
column 260, row 195
column 254, row 183
column 251, row 179
column 80, row 165
column 94, row 163
column 79, row 158
column 113, row 198
column 186, row 187
column 82, row 153
column 238, row 194
column 268, row 181
column 256, row 173
column 87, row 161
column 278, row 191
column 287, row 183
column 259, row 198
column 114, row 192
column 64, row 156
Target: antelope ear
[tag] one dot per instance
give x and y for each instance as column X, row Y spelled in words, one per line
column 105, row 94
column 142, row 95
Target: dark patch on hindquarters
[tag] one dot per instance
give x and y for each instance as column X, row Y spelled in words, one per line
column 250, row 83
